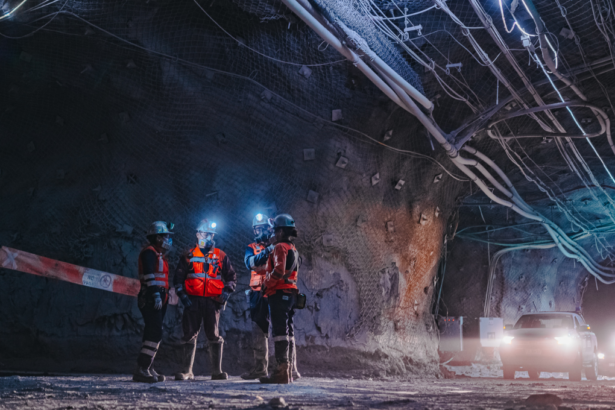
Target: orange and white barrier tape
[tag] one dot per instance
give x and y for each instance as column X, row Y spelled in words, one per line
column 51, row 268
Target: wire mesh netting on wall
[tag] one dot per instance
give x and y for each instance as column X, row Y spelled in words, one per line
column 129, row 113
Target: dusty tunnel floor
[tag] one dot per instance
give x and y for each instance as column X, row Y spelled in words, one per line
column 118, row 392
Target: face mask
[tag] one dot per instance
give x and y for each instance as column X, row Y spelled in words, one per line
column 207, row 242
column 167, row 243
column 263, row 237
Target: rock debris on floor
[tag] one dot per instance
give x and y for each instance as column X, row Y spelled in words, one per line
column 118, row 392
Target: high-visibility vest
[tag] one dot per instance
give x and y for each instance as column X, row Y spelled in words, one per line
column 158, row 278
column 201, row 283
column 258, row 272
column 289, row 280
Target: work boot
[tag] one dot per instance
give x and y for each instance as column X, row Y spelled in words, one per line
column 143, row 375
column 159, row 377
column 261, row 356
column 215, row 354
column 292, row 359
column 189, row 351
column 281, row 375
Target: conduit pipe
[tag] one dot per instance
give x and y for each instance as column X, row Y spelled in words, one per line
column 327, row 36
column 496, row 72
column 551, row 227
column 511, row 192
column 601, row 116
column 495, row 35
column 461, row 162
column 305, row 11
column 544, row 48
column 457, row 159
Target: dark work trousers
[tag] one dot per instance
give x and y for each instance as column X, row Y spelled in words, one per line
column 259, row 310
column 282, row 309
column 203, row 310
column 152, row 333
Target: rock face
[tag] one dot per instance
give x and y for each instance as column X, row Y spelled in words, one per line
column 206, row 128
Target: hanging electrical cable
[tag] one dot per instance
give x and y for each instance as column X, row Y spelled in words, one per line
column 10, row 13
column 570, row 248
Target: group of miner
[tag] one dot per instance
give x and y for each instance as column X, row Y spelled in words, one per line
column 204, row 280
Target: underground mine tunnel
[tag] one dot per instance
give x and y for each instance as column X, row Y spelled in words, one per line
column 430, row 184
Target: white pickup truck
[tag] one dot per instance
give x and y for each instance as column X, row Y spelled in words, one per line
column 550, row 342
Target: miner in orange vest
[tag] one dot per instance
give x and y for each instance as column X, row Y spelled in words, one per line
column 153, row 298
column 255, row 259
column 280, row 289
column 204, row 280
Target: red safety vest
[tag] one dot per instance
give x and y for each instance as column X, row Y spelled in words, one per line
column 201, row 283
column 158, row 278
column 289, row 280
column 258, row 274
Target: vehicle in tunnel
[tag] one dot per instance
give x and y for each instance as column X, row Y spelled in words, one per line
column 550, row 342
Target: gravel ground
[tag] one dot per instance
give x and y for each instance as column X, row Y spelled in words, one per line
column 119, row 392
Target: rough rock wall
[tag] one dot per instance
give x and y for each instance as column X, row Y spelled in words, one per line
column 100, row 138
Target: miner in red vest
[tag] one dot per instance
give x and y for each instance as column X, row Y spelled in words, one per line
column 204, row 280
column 153, row 297
column 280, row 288
column 255, row 259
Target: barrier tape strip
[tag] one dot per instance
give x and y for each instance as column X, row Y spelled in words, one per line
column 50, row 268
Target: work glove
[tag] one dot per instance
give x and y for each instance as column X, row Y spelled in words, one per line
column 157, row 301
column 226, row 294
column 185, row 299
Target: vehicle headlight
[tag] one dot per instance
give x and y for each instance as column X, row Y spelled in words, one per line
column 563, row 340
column 507, row 339
column 600, row 356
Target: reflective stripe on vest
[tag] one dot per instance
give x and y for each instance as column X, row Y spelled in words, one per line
column 196, row 275
column 289, row 280
column 201, row 283
column 159, row 278
column 257, row 276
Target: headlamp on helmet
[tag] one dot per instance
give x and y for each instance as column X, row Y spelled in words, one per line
column 259, row 220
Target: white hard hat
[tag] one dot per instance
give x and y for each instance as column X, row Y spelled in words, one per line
column 159, row 228
column 260, row 219
column 206, row 226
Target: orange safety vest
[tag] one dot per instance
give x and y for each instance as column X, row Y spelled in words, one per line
column 158, row 278
column 289, row 280
column 201, row 283
column 258, row 274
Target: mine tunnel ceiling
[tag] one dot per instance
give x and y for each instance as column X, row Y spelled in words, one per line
column 487, row 68
column 477, row 62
